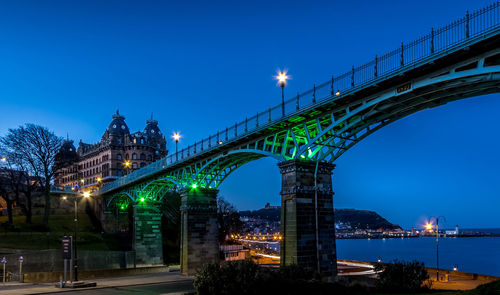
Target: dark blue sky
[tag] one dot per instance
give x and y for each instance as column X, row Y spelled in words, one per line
column 200, row 66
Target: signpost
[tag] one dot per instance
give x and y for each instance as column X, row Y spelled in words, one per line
column 4, row 262
column 67, row 254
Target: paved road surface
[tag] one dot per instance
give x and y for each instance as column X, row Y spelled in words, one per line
column 153, row 289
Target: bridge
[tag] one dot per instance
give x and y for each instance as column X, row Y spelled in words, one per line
column 306, row 134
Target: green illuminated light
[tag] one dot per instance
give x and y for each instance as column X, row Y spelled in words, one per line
column 142, row 199
column 194, row 185
column 122, row 207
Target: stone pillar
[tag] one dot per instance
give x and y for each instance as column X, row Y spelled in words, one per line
column 148, row 244
column 199, row 232
column 303, row 206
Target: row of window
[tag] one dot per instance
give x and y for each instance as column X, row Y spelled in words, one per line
column 134, row 157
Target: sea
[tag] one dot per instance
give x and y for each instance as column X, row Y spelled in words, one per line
column 469, row 254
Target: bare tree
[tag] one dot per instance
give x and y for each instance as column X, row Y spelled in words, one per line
column 228, row 219
column 35, row 148
column 6, row 194
column 16, row 182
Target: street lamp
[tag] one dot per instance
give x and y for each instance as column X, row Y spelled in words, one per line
column 127, row 165
column 85, row 195
column 437, row 242
column 176, row 137
column 282, row 81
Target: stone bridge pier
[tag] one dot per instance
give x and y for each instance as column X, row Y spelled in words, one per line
column 199, row 232
column 307, row 216
column 147, row 241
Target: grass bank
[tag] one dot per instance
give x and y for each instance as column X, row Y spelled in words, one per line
column 36, row 236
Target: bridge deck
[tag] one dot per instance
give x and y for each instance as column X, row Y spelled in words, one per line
column 471, row 35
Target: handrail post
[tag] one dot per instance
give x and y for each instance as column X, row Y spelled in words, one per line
column 297, row 106
column 432, row 40
column 352, row 77
column 202, row 144
column 226, row 134
column 402, row 54
column 257, row 120
column 218, row 137
column 314, row 96
column 331, row 88
column 246, row 124
column 235, row 129
column 269, row 118
column 467, row 21
column 375, row 68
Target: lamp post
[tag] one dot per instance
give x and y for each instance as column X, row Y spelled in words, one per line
column 85, row 195
column 282, row 81
column 127, row 165
column 429, row 226
column 176, row 137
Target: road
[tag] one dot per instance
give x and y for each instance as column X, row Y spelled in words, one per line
column 152, row 289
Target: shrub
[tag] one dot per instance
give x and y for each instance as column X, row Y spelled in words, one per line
column 402, row 276
column 238, row 277
column 248, row 278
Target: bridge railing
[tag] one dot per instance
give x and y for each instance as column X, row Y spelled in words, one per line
column 426, row 48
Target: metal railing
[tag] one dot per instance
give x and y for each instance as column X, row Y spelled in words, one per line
column 431, row 46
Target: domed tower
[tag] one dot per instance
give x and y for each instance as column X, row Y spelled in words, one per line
column 117, row 130
column 154, row 137
column 65, row 161
column 67, row 155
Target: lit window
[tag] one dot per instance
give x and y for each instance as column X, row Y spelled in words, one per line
column 118, row 157
column 134, row 156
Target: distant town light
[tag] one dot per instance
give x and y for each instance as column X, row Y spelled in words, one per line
column 86, row 194
column 4, row 159
column 428, row 226
column 337, row 93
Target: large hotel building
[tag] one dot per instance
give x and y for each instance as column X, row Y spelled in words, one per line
column 119, row 152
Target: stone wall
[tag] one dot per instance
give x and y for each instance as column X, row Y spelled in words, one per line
column 51, row 260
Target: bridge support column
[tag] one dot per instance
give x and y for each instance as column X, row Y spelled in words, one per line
column 307, row 216
column 199, row 233
column 147, row 232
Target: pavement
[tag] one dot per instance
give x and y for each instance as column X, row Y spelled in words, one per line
column 166, row 279
column 456, row 282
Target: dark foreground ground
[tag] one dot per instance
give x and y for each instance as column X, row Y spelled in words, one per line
column 153, row 289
